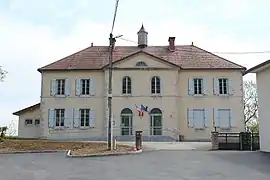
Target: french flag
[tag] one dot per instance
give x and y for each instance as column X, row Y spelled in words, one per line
column 140, row 109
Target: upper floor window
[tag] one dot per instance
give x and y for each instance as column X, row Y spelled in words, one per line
column 141, row 63
column 198, row 85
column 126, row 85
column 28, row 122
column 223, row 85
column 155, row 85
column 37, row 121
column 60, row 86
column 85, row 86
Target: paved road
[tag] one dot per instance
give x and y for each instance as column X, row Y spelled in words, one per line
column 170, row 165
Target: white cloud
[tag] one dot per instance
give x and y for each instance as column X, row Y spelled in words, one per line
column 25, row 47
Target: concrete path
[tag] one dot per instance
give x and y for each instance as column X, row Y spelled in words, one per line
column 174, row 145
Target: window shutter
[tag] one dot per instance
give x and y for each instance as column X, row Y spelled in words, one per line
column 68, row 118
column 76, row 120
column 51, row 118
column 230, row 87
column 216, row 118
column 92, row 118
column 78, row 87
column 190, row 86
column 53, row 87
column 190, row 118
column 92, row 87
column 67, row 87
column 204, row 86
column 207, row 117
column 216, row 86
column 233, row 120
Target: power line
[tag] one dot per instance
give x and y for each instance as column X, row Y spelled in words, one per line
column 235, row 53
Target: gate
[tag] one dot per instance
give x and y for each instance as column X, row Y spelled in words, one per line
column 244, row 141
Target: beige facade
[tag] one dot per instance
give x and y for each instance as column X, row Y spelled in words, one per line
column 263, row 88
column 175, row 104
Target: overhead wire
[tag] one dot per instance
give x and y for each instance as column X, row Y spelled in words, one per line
column 219, row 52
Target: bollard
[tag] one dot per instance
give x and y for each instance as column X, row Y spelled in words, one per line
column 138, row 140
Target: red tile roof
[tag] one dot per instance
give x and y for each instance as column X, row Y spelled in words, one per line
column 185, row 56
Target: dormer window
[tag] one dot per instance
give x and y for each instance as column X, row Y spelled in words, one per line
column 141, row 63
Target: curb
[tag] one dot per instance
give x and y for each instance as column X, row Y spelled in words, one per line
column 103, row 155
column 30, row 152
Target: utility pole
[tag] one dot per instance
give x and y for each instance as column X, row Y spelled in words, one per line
column 110, row 93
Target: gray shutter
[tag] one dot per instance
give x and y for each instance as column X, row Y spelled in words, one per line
column 190, row 118
column 204, row 86
column 53, row 87
column 215, row 86
column 190, row 86
column 78, row 87
column 216, row 118
column 76, row 120
column 207, row 117
column 51, row 119
column 68, row 118
column 92, row 118
column 233, row 120
column 92, row 87
column 230, row 87
column 67, row 87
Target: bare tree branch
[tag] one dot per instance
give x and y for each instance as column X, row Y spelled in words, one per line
column 3, row 73
column 250, row 101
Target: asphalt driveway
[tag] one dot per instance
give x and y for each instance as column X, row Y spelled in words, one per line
column 169, row 165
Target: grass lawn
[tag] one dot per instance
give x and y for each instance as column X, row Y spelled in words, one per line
column 77, row 148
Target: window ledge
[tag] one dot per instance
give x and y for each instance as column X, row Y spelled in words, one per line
column 199, row 95
column 155, row 95
column 60, row 96
column 84, row 96
column 127, row 95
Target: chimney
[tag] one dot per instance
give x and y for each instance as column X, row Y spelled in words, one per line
column 171, row 44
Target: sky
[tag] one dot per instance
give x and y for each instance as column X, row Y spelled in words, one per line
column 34, row 33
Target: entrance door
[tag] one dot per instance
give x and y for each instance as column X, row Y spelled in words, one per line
column 156, row 122
column 126, row 122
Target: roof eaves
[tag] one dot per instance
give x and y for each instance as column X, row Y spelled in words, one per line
column 17, row 113
column 257, row 67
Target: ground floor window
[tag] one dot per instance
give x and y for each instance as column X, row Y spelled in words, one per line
column 156, row 122
column 59, row 117
column 126, row 122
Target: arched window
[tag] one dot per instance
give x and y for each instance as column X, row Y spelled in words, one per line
column 126, row 85
column 156, row 122
column 126, row 122
column 141, row 63
column 155, row 85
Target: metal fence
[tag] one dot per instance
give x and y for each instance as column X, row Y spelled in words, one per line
column 244, row 141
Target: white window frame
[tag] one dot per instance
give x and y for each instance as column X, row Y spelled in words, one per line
column 36, row 121
column 60, row 87
column 83, row 117
column 198, row 86
column 82, row 81
column 126, row 89
column 222, row 88
column 30, row 124
column 155, row 80
column 59, row 115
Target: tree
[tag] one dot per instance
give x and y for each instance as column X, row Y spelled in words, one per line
column 2, row 73
column 250, row 102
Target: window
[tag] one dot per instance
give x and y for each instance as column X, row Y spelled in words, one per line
column 60, row 87
column 84, row 117
column 126, row 85
column 223, row 85
column 155, row 85
column 59, row 117
column 141, row 63
column 198, row 83
column 37, row 121
column 156, row 122
column 126, row 122
column 223, row 118
column 199, row 118
column 28, row 122
column 85, row 86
